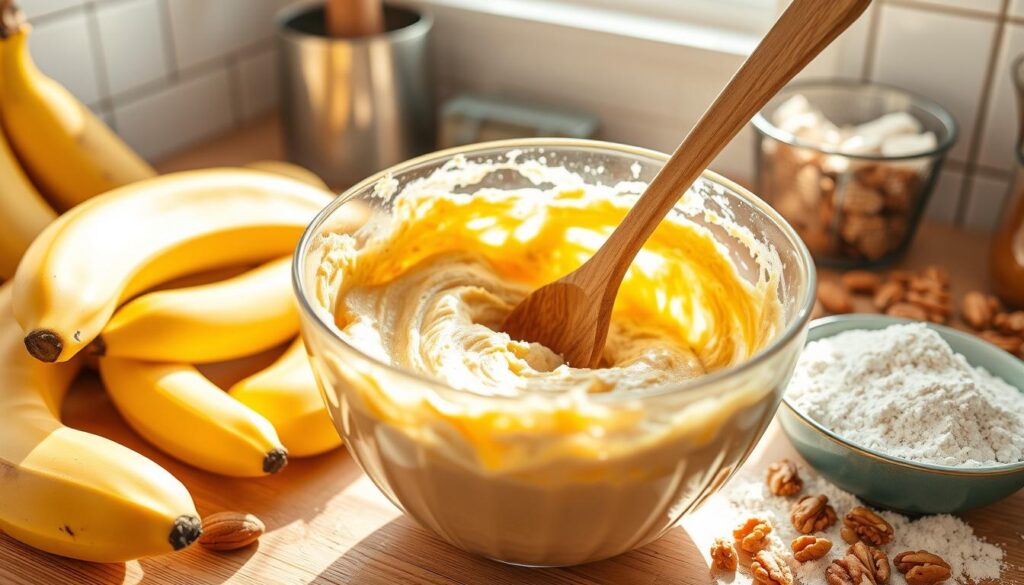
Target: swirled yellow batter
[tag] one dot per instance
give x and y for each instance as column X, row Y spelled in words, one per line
column 430, row 289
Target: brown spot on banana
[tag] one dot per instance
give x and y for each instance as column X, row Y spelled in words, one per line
column 44, row 345
column 186, row 530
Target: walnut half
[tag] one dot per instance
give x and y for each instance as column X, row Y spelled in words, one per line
column 810, row 548
column 922, row 567
column 752, row 535
column 846, row 571
column 876, row 564
column 812, row 514
column 723, row 555
column 770, row 569
column 869, row 526
column 783, row 478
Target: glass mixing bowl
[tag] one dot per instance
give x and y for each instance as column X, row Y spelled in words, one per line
column 627, row 465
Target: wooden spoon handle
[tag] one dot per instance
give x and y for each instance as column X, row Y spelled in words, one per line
column 354, row 18
column 803, row 31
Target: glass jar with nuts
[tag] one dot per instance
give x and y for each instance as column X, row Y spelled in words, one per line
column 851, row 166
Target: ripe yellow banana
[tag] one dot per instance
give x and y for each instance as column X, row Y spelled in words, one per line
column 67, row 150
column 292, row 170
column 23, row 211
column 125, row 241
column 73, row 493
column 287, row 394
column 184, row 414
column 214, row 322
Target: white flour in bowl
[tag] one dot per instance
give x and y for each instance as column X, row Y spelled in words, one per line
column 904, row 392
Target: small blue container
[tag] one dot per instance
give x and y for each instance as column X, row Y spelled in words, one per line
column 890, row 482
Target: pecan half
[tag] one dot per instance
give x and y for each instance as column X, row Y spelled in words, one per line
column 861, row 281
column 783, row 478
column 812, row 514
column 846, row 571
column 876, row 564
column 810, row 548
column 723, row 555
column 907, row 311
column 922, row 567
column 1010, row 343
column 849, row 535
column 976, row 310
column 1010, row 323
column 770, row 569
column 753, row 534
column 889, row 294
column 869, row 526
column 834, row 297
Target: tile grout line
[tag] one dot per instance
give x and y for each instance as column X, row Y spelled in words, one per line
column 234, row 88
column 872, row 43
column 974, row 147
column 167, row 30
column 92, row 23
column 953, row 10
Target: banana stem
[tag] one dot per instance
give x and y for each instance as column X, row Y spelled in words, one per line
column 12, row 19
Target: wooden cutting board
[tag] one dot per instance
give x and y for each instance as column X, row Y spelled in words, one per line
column 328, row 524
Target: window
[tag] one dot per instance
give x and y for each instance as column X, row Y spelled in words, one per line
column 754, row 16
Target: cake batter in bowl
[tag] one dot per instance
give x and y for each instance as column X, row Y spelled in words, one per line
column 498, row 445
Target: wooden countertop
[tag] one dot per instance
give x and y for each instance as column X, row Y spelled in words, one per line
column 328, row 524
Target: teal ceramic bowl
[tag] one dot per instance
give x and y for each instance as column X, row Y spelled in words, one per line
column 891, row 482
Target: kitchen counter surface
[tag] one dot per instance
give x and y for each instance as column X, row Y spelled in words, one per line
column 328, row 524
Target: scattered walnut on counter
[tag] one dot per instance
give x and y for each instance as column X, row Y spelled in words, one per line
column 861, row 281
column 888, row 294
column 769, row 569
column 907, row 311
column 874, row 561
column 922, row 567
column 847, row 571
column 810, row 548
column 977, row 310
column 1010, row 343
column 1009, row 323
column 834, row 298
column 723, row 555
column 753, row 534
column 869, row 526
column 812, row 514
column 783, row 479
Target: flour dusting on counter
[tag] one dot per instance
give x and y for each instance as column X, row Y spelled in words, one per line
column 971, row 559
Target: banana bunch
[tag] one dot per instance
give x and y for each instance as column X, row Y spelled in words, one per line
column 98, row 283
column 73, row 493
column 85, row 288
column 54, row 152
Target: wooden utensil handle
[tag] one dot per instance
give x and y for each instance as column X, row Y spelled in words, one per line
column 803, row 31
column 353, row 18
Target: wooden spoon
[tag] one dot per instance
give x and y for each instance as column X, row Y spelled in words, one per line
column 354, row 18
column 571, row 315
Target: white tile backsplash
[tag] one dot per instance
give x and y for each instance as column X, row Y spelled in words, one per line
column 257, row 76
column 182, row 114
column 36, row 8
column 986, row 201
column 1000, row 130
column 62, row 49
column 169, row 73
column 205, row 30
column 949, row 67
column 984, row 6
column 1016, row 8
column 133, row 43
